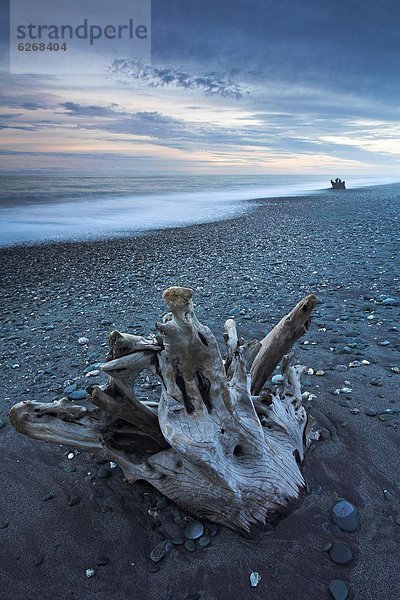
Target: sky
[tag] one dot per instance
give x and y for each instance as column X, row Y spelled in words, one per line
column 233, row 87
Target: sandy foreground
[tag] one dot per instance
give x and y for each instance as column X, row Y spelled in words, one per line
column 58, row 517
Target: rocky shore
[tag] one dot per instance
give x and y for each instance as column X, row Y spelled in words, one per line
column 71, row 528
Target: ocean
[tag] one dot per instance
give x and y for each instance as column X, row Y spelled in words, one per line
column 35, row 209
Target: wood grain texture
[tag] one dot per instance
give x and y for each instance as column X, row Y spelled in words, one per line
column 217, row 444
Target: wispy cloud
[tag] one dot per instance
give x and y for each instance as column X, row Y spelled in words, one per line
column 210, row 83
column 88, row 110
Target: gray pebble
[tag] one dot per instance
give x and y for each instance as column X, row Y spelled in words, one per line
column 49, row 496
column 178, row 541
column 340, row 553
column 338, row 589
column 78, row 395
column 345, row 515
column 389, row 496
column 74, row 500
column 38, row 559
column 190, row 545
column 69, row 469
column 204, row 541
column 104, row 472
column 371, row 412
column 160, row 550
column 194, row 530
column 385, row 417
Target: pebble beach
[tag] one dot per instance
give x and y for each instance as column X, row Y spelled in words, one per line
column 71, row 528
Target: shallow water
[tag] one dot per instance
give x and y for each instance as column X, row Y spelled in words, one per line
column 43, row 208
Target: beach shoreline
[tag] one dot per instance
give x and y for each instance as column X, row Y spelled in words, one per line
column 27, row 218
column 255, row 267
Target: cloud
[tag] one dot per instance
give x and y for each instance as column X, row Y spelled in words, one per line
column 91, row 110
column 210, row 83
column 22, row 101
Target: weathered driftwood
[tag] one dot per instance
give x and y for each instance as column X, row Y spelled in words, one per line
column 217, row 444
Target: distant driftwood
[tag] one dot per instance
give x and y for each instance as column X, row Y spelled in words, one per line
column 338, row 184
column 217, row 443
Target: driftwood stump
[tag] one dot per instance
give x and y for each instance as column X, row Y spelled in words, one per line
column 217, row 443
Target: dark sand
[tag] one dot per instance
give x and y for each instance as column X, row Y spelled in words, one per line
column 341, row 245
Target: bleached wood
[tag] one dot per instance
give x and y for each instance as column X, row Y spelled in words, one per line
column 280, row 341
column 213, row 444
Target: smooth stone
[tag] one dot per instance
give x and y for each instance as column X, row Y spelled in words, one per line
column 160, row 550
column 70, row 469
column 340, row 553
column 344, row 403
column 338, row 589
column 371, row 412
column 93, row 496
column 90, row 572
column 385, row 417
column 277, row 379
column 4, row 524
column 255, row 578
column 70, row 388
column 190, row 545
column 194, row 530
column 327, row 546
column 376, row 381
column 48, row 497
column 78, row 395
column 343, row 349
column 104, row 472
column 178, row 541
column 204, row 541
column 101, row 561
column 74, row 501
column 389, row 496
column 345, row 515
column 38, row 559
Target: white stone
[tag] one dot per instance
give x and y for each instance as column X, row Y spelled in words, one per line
column 89, row 572
column 93, row 373
column 83, row 341
column 255, row 578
